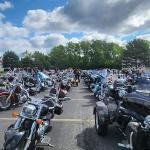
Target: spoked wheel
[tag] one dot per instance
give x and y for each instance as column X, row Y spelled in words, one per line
column 101, row 127
column 3, row 104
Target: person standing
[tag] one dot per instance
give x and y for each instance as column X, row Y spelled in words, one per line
column 77, row 74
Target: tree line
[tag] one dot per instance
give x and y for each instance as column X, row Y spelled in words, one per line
column 85, row 55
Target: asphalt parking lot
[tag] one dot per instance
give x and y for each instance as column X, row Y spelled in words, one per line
column 74, row 129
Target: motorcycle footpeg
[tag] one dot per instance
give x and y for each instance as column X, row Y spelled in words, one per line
column 45, row 142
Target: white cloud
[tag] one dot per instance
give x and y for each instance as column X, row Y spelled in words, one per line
column 108, row 20
column 109, row 16
column 97, row 36
column 5, row 5
column 103, row 16
column 43, row 21
column 74, row 40
column 48, row 41
column 137, row 21
column 1, row 16
column 9, row 31
column 18, row 46
column 42, row 43
column 116, row 1
column 144, row 37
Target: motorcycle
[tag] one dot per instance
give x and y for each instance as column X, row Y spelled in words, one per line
column 130, row 111
column 30, row 84
column 54, row 96
column 15, row 95
column 65, row 84
column 28, row 132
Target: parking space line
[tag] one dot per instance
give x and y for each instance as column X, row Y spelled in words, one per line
column 54, row 120
column 79, row 99
column 7, row 119
column 72, row 120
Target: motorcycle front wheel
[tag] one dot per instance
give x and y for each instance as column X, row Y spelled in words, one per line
column 3, row 104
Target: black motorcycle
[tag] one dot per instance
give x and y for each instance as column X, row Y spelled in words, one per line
column 28, row 132
column 130, row 111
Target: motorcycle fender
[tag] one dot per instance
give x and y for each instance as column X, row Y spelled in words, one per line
column 102, row 111
column 13, row 138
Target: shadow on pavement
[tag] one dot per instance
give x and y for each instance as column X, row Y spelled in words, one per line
column 89, row 140
column 89, row 97
column 85, row 91
column 89, row 103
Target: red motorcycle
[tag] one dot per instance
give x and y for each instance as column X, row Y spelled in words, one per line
column 15, row 95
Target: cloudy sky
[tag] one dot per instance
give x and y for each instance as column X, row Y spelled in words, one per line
column 41, row 24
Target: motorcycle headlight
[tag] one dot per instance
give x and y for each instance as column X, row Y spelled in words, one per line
column 29, row 110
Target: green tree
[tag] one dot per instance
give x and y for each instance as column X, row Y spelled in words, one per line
column 10, row 59
column 41, row 60
column 58, row 57
column 85, row 48
column 27, row 62
column 73, row 52
column 137, row 53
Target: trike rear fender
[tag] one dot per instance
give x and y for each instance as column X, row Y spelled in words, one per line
column 101, row 110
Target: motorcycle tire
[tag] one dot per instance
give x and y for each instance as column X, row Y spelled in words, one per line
column 3, row 106
column 101, row 128
column 137, row 143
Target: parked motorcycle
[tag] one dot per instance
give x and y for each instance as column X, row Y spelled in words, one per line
column 30, row 84
column 16, row 94
column 130, row 111
column 28, row 132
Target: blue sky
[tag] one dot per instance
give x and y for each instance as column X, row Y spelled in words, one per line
column 20, row 8
column 42, row 24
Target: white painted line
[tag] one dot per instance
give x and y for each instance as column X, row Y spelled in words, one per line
column 72, row 120
column 54, row 120
column 80, row 99
column 7, row 119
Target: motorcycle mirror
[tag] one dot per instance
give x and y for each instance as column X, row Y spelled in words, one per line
column 14, row 114
column 39, row 121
